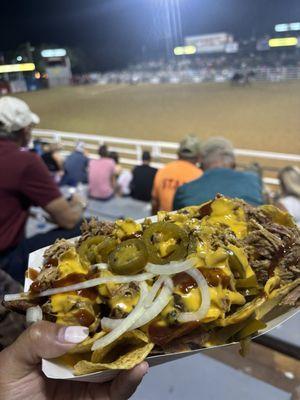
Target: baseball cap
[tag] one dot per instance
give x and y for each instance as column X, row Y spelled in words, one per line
column 15, row 114
column 190, row 147
column 217, row 144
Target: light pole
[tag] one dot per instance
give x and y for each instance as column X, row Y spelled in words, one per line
column 173, row 25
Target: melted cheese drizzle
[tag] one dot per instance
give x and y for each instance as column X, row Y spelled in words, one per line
column 223, row 212
column 69, row 263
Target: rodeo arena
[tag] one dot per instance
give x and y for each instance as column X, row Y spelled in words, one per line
column 217, row 115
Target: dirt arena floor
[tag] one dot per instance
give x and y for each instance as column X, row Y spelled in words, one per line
column 264, row 116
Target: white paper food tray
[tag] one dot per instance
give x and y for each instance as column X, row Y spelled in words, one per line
column 56, row 371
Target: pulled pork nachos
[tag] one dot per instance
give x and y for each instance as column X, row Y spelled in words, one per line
column 202, row 276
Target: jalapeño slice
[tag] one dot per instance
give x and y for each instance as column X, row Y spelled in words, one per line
column 97, row 249
column 165, row 242
column 86, row 249
column 129, row 257
column 104, row 249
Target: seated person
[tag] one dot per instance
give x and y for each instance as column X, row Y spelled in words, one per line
column 75, row 166
column 289, row 179
column 123, row 176
column 142, row 179
column 26, row 182
column 175, row 174
column 102, row 176
column 220, row 176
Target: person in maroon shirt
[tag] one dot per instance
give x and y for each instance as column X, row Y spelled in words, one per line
column 25, row 181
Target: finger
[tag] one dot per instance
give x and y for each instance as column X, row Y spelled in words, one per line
column 125, row 384
column 41, row 340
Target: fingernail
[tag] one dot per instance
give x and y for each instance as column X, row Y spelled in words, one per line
column 73, row 334
column 145, row 367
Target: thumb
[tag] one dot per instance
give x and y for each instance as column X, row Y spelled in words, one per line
column 126, row 383
column 41, row 340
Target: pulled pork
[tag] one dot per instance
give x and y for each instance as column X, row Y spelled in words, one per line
column 292, row 299
column 270, row 245
column 45, row 279
column 95, row 227
column 57, row 249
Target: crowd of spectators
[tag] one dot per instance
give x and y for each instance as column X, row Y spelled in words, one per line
column 219, row 67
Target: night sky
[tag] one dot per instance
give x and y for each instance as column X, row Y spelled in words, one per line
column 113, row 33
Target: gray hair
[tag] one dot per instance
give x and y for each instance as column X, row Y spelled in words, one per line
column 289, row 178
column 217, row 150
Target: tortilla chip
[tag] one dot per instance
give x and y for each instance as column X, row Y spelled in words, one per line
column 189, row 342
column 87, row 344
column 125, row 353
column 275, row 305
column 284, row 290
column 242, row 313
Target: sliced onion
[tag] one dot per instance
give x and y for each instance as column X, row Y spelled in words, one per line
column 153, row 291
column 108, row 324
column 173, row 267
column 82, row 285
column 34, row 314
column 100, row 266
column 157, row 306
column 151, row 312
column 127, row 323
column 16, row 296
column 205, row 298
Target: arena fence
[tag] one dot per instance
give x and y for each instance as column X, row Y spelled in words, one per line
column 130, row 151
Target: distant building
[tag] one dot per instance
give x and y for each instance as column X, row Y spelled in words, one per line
column 58, row 67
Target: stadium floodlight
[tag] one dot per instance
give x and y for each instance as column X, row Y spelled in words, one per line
column 283, row 42
column 293, row 26
column 17, row 68
column 185, row 50
column 281, row 27
column 53, row 53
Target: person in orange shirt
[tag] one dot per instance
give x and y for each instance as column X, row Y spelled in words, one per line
column 176, row 173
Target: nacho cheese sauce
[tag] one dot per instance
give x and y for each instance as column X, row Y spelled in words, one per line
column 225, row 212
column 65, row 307
column 69, row 263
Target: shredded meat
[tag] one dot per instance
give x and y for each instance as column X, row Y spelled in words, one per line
column 293, row 298
column 45, row 279
column 21, row 306
column 94, row 228
column 57, row 249
column 125, row 290
column 223, row 237
column 192, row 341
column 270, row 245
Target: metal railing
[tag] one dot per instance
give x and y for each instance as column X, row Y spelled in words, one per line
column 130, row 150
